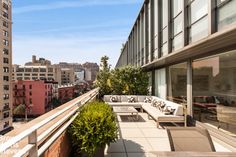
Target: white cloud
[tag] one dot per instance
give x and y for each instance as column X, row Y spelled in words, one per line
column 72, row 4
column 108, row 24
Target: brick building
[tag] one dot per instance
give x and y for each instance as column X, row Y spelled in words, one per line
column 35, row 95
column 66, row 93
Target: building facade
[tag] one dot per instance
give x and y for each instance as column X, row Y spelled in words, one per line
column 67, row 76
column 91, row 70
column 38, row 62
column 66, row 93
column 188, row 47
column 5, row 64
column 35, row 95
column 33, row 72
column 79, row 74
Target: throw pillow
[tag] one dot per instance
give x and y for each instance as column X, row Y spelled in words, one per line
column 162, row 106
column 113, row 99
column 168, row 110
column 148, row 100
column 155, row 103
column 131, row 99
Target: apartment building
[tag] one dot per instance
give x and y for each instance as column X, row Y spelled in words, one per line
column 5, row 64
column 188, row 47
column 38, row 62
column 67, row 76
column 35, row 95
column 91, row 70
column 35, row 72
column 66, row 92
column 79, row 74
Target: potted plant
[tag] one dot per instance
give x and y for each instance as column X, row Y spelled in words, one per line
column 93, row 129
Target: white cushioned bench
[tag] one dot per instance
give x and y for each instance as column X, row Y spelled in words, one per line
column 146, row 103
column 177, row 116
column 123, row 100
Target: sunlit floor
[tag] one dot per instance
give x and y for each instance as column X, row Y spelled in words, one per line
column 141, row 138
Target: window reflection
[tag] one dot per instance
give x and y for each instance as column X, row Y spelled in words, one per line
column 214, row 91
column 226, row 13
column 198, row 20
column 177, row 83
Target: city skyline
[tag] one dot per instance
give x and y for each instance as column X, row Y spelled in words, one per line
column 85, row 30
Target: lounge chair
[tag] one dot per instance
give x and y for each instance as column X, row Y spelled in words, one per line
column 190, row 139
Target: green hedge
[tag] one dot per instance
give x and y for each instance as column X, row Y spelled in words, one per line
column 94, row 127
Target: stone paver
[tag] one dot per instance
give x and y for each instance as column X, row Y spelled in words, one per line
column 137, row 145
column 140, row 138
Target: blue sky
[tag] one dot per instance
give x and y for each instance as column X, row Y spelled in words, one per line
column 71, row 30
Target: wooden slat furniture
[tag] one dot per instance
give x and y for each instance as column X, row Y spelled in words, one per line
column 190, row 139
column 125, row 109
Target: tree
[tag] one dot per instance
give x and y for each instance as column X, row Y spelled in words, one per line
column 20, row 110
column 126, row 80
column 104, row 64
column 129, row 81
column 103, row 77
column 55, row 102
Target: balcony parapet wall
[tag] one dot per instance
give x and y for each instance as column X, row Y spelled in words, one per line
column 45, row 135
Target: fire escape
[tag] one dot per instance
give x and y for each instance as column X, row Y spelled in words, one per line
column 19, row 95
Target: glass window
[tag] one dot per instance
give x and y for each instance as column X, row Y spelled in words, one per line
column 42, row 69
column 155, row 17
column 226, row 13
column 198, row 20
column 5, row 69
column 5, row 33
column 6, row 115
column 6, row 87
column 198, row 9
column 214, row 91
column 177, row 6
column 5, row 51
column 5, row 60
column 28, row 69
column 35, row 70
column 160, row 83
column 5, row 14
column 6, row 124
column 5, row 42
column 164, row 35
column 199, row 30
column 178, row 25
column 5, row 24
column 177, row 42
column 6, row 78
column 164, row 50
column 5, row 6
column 20, row 70
column 164, row 13
column 177, row 83
column 150, row 83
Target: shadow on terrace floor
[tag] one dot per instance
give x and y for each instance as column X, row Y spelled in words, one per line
column 140, row 137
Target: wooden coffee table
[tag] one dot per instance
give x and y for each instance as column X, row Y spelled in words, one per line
column 125, row 109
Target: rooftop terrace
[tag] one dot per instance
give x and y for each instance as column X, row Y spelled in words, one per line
column 46, row 136
column 143, row 139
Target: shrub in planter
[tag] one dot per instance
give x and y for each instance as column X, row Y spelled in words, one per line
column 94, row 128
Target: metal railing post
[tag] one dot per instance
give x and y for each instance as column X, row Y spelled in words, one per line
column 32, row 139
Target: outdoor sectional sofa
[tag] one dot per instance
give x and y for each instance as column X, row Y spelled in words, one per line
column 159, row 109
column 124, row 100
